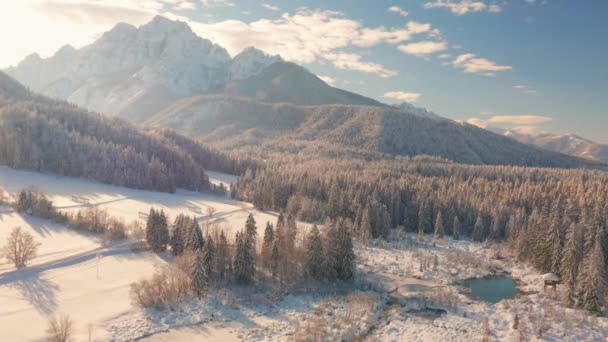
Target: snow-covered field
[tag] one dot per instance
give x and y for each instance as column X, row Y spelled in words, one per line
column 126, row 203
column 77, row 275
column 63, row 278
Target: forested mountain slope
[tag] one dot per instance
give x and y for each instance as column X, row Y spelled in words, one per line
column 341, row 130
column 42, row 134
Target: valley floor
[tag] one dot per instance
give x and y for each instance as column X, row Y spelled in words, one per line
column 78, row 275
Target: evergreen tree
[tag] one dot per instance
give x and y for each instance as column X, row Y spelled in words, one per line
column 223, row 256
column 209, row 254
column 366, row 226
column 177, row 236
column 151, row 227
column 267, row 244
column 251, row 231
column 161, row 232
column 244, row 263
column 592, row 284
column 554, row 243
column 194, row 236
column 314, row 253
column 425, row 219
column 340, row 253
column 199, row 275
column 571, row 260
column 479, row 230
column 456, row 228
column 439, row 229
column 275, row 259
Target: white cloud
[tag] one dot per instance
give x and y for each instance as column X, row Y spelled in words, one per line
column 327, row 79
column 511, row 120
column 523, row 124
column 309, row 36
column 444, row 56
column 402, row 96
column 398, row 10
column 185, row 5
column 217, row 3
column 423, row 48
column 352, row 61
column 472, row 64
column 525, row 88
column 463, row 7
column 270, row 7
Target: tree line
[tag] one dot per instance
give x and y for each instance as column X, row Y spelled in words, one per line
column 555, row 219
column 213, row 258
column 54, row 136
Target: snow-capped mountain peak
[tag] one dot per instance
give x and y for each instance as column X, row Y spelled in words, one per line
column 249, row 62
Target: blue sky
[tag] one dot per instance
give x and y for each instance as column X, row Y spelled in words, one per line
column 528, row 65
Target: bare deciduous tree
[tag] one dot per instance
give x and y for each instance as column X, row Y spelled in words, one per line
column 60, row 329
column 20, row 247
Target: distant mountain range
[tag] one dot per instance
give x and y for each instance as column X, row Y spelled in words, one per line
column 163, row 75
column 570, row 144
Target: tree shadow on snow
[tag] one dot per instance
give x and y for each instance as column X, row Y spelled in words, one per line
column 40, row 292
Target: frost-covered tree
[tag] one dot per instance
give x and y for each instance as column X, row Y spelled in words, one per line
column 314, row 253
column 151, row 227
column 20, row 247
column 199, row 274
column 275, row 259
column 161, row 232
column 244, row 262
column 592, row 284
column 251, row 231
column 176, row 241
column 223, row 260
column 479, row 230
column 456, row 227
column 571, row 260
column 439, row 229
column 209, row 255
column 267, row 244
column 193, row 235
column 366, row 226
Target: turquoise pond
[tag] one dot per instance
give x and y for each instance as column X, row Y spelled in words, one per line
column 491, row 290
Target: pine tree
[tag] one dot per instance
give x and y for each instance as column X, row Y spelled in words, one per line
column 314, row 253
column 340, row 253
column 554, row 242
column 275, row 259
column 593, row 280
column 366, row 226
column 439, row 229
column 161, row 232
column 456, row 229
column 244, row 263
column 571, row 260
column 251, row 231
column 424, row 219
column 194, row 237
column 177, row 236
column 151, row 224
column 479, row 230
column 209, row 254
column 223, row 256
column 267, row 244
column 199, row 276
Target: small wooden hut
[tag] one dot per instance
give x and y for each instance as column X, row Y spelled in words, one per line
column 551, row 279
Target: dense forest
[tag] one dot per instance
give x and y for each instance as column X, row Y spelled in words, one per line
column 553, row 218
column 41, row 134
